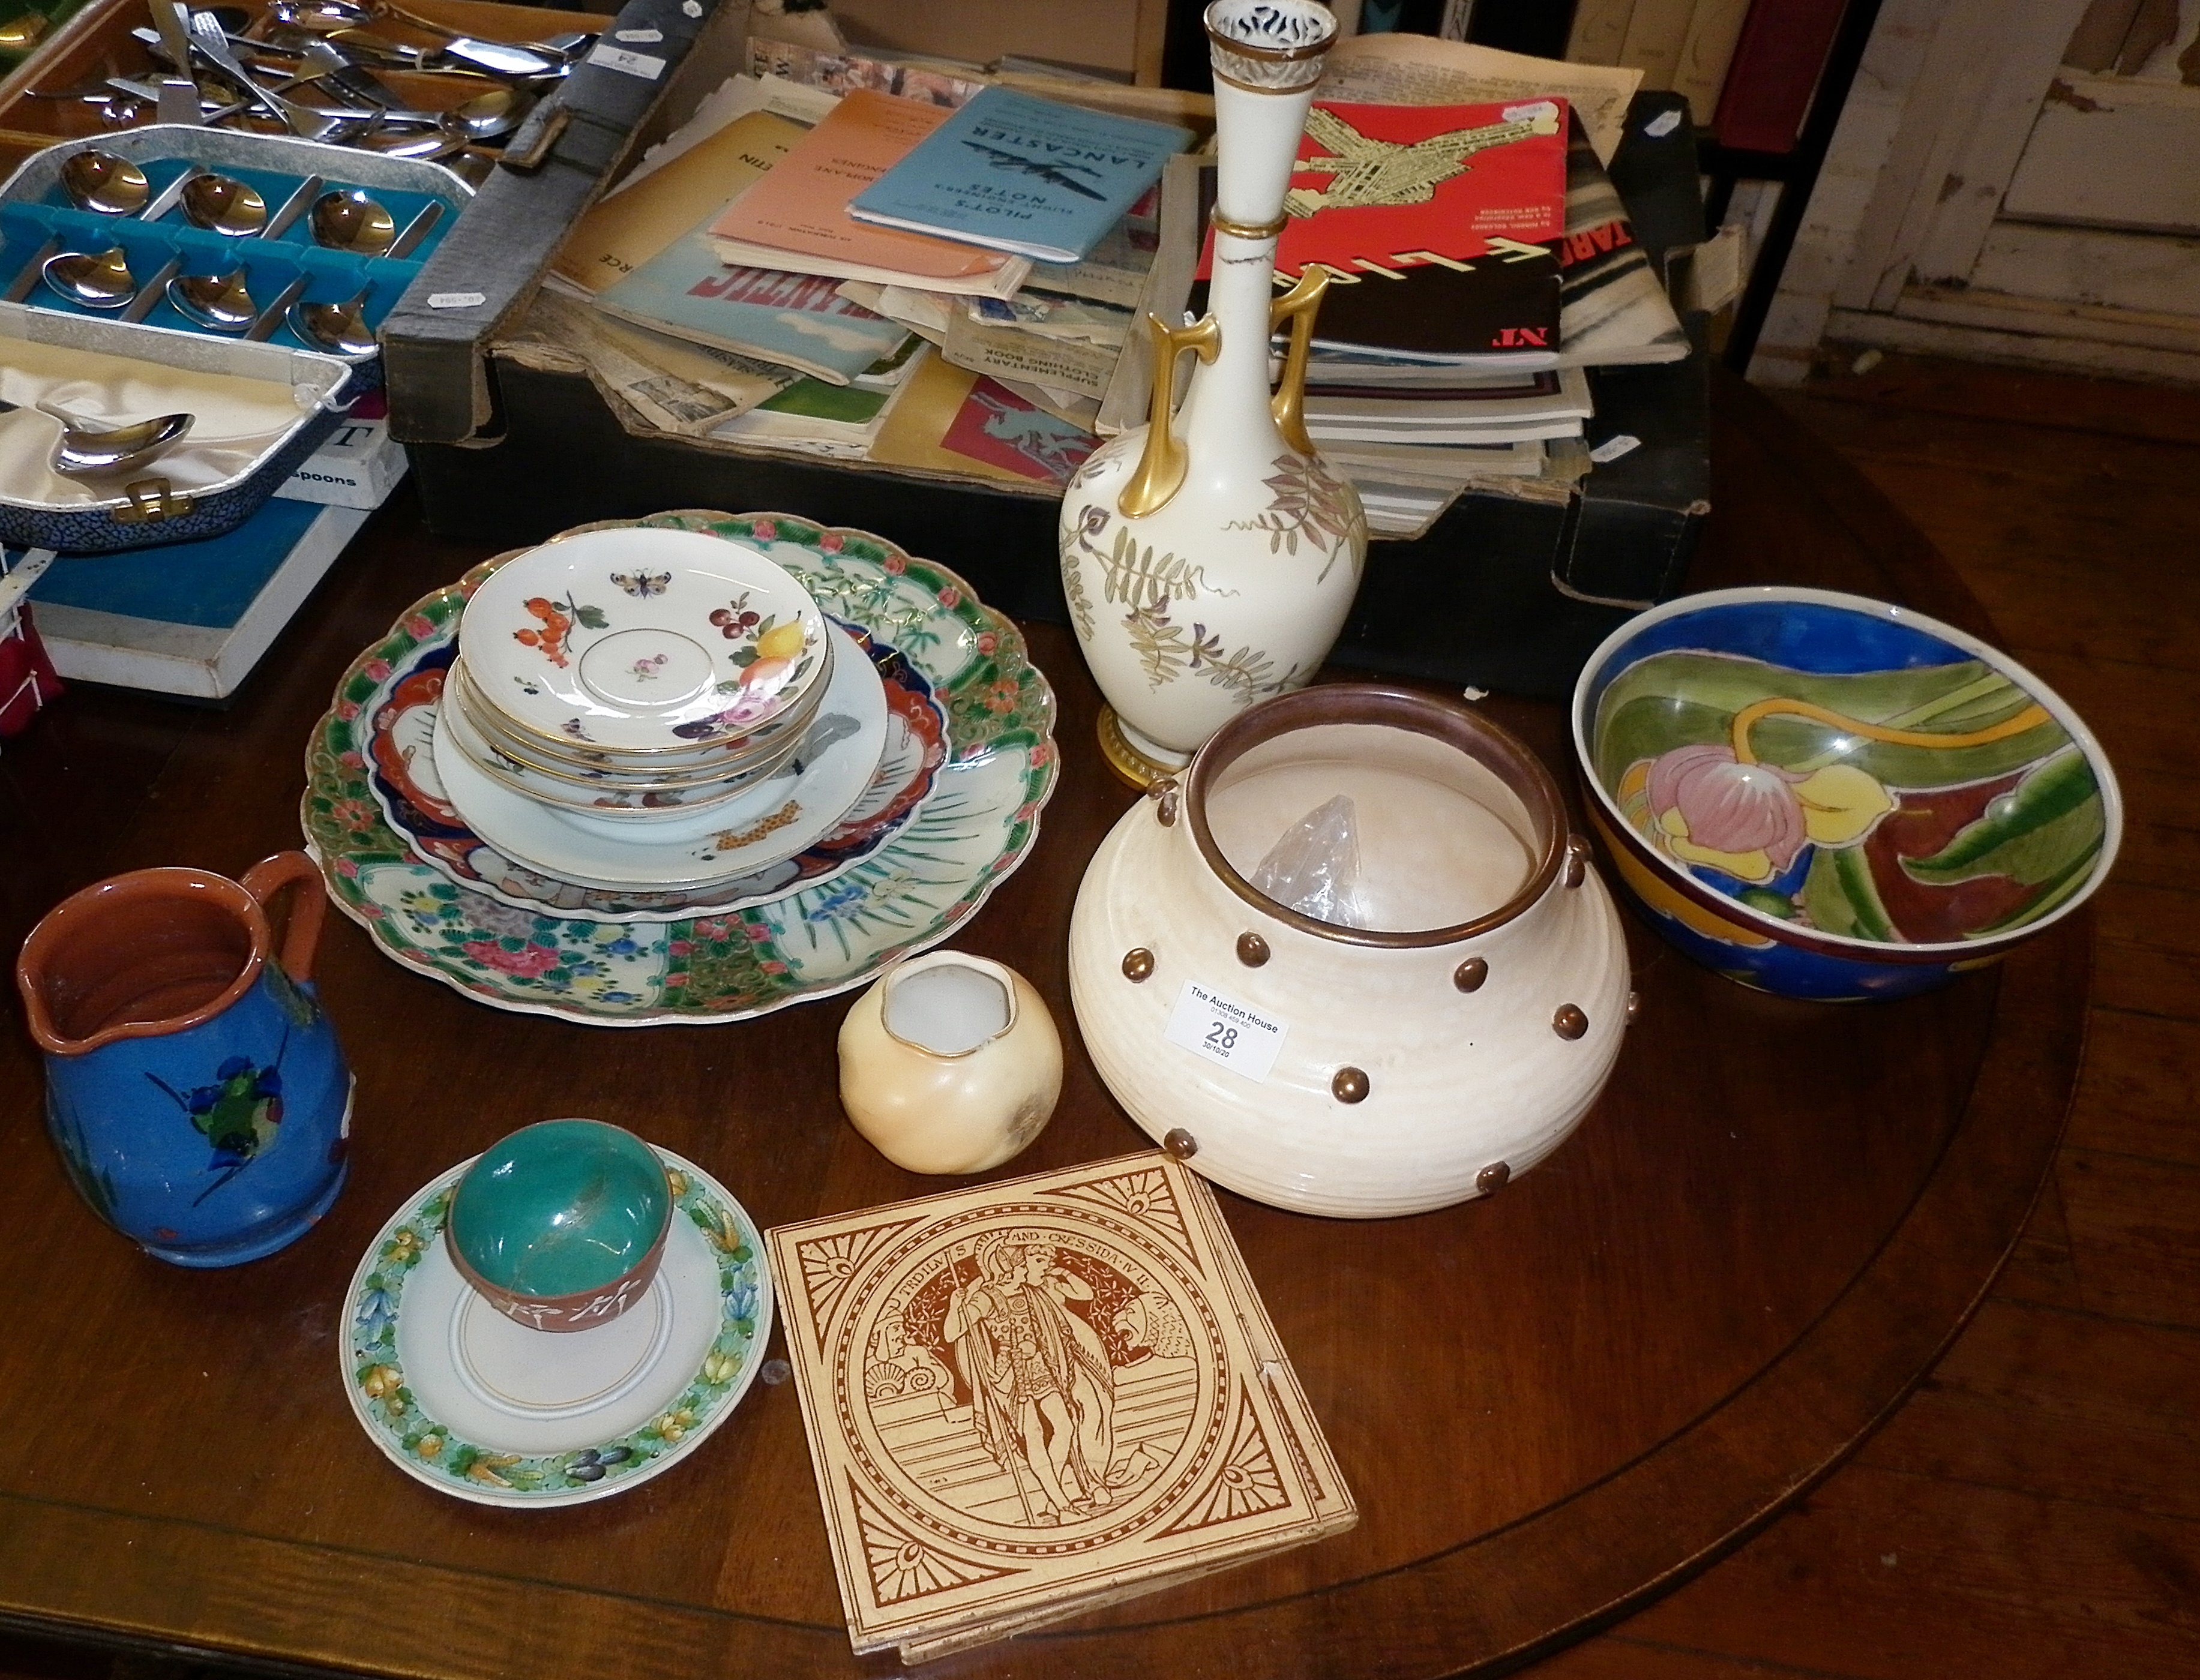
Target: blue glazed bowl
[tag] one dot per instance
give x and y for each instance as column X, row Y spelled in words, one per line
column 561, row 1225
column 1828, row 796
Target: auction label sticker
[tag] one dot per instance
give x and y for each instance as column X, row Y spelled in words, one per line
column 457, row 299
column 640, row 64
column 1224, row 1030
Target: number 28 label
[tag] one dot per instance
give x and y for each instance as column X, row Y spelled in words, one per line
column 1223, row 1030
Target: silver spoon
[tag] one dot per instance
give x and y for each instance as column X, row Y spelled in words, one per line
column 222, row 205
column 97, row 180
column 92, row 279
column 347, row 219
column 342, row 327
column 503, row 58
column 426, row 144
column 88, row 447
column 219, row 303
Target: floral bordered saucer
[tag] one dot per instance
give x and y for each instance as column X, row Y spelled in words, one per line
column 481, row 1408
column 406, row 713
column 976, row 825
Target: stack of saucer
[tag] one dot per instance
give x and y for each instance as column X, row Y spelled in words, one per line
column 643, row 708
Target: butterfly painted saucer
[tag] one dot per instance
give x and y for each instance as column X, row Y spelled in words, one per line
column 692, row 849
column 407, row 707
column 676, row 965
column 639, row 641
column 483, row 1409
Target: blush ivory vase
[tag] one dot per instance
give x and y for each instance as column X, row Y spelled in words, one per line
column 1209, row 557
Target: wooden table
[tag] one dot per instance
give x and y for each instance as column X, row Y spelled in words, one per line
column 1551, row 1404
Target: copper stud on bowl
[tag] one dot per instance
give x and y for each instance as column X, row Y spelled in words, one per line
column 1252, row 950
column 1137, row 964
column 1493, row 1178
column 1165, row 797
column 1469, row 975
column 1634, row 1006
column 1570, row 1022
column 1576, row 860
column 1348, row 1085
column 1180, row 1143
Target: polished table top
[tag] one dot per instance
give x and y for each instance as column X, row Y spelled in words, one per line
column 1550, row 1404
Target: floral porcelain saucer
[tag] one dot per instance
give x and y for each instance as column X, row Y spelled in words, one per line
column 408, row 708
column 812, row 940
column 641, row 641
column 782, row 817
column 485, row 1409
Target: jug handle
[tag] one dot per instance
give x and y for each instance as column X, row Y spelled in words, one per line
column 1161, row 470
column 266, row 879
column 1296, row 306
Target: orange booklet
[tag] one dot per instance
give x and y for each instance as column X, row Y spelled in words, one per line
column 801, row 207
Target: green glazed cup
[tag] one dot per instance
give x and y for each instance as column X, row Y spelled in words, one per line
column 561, row 1225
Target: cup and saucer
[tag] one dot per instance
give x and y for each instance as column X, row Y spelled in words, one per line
column 475, row 1366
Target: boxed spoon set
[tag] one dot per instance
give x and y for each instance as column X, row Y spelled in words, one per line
column 219, row 290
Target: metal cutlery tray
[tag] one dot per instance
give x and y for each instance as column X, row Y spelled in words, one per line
column 35, row 208
column 145, row 507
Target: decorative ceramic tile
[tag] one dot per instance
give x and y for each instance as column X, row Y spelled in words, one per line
column 1029, row 1398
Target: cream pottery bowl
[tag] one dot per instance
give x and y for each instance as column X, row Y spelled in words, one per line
column 1429, row 1056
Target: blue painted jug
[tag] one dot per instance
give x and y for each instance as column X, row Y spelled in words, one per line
column 194, row 1084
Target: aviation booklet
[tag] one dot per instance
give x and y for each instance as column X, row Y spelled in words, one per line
column 1018, row 173
column 1439, row 224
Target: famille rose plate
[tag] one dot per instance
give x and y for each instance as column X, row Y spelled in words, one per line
column 662, row 964
column 644, row 639
column 483, row 1409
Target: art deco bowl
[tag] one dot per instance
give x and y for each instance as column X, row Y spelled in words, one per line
column 560, row 1226
column 1828, row 797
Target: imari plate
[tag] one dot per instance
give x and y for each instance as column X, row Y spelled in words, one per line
column 976, row 825
column 485, row 1409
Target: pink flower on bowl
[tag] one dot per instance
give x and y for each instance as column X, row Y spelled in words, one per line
column 765, row 530
column 950, row 596
column 830, row 542
column 894, row 565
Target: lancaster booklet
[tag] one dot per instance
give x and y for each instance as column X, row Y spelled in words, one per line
column 1030, row 1399
column 1019, row 173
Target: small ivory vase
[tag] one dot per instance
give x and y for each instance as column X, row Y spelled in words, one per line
column 1209, row 557
column 949, row 1064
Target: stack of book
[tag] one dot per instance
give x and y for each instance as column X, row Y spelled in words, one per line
column 1481, row 262
column 938, row 271
column 827, row 250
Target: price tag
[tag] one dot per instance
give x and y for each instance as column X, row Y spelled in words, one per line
column 632, row 63
column 1613, row 447
column 1224, row 1030
column 456, row 300
column 645, row 37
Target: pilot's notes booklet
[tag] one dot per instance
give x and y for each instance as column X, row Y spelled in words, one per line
column 1015, row 172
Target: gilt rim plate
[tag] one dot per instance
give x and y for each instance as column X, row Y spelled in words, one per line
column 977, row 826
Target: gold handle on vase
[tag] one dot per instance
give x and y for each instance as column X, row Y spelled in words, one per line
column 1296, row 306
column 1161, row 470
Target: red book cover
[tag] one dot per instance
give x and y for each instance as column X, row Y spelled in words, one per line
column 1775, row 69
column 1435, row 219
